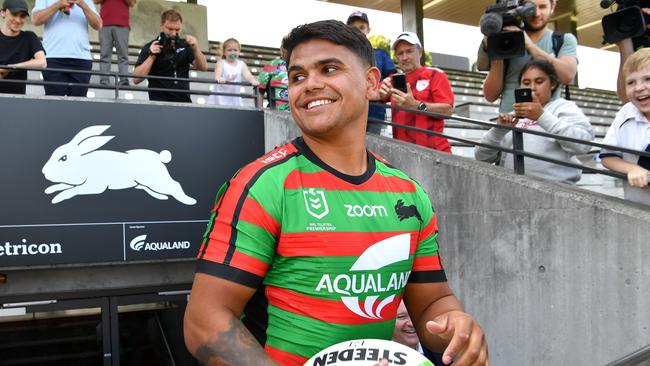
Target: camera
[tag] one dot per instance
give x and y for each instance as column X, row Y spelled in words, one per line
column 169, row 45
column 506, row 44
column 627, row 22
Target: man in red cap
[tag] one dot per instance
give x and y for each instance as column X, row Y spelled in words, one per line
column 428, row 90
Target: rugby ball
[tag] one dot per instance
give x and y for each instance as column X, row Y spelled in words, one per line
column 367, row 352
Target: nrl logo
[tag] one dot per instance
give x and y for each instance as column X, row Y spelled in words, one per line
column 315, row 202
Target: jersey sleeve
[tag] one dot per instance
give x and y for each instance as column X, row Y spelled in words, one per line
column 427, row 266
column 265, row 75
column 240, row 241
column 441, row 91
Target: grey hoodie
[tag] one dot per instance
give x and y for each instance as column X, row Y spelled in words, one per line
column 560, row 117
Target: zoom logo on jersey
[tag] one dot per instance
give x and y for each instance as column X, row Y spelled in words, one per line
column 139, row 243
column 368, row 279
column 366, row 210
column 315, row 202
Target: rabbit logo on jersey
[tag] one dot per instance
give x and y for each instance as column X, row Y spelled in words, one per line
column 79, row 168
column 381, row 254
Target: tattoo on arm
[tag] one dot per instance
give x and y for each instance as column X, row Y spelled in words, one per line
column 234, row 346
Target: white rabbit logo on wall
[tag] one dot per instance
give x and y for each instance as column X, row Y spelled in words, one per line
column 79, row 168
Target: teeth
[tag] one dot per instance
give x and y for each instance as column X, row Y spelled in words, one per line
column 316, row 103
column 643, row 97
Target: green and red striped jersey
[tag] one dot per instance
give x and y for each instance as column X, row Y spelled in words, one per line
column 330, row 254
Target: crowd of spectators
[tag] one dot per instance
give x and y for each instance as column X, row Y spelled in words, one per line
column 548, row 63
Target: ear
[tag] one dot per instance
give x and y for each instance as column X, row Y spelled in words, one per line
column 373, row 78
column 92, row 144
column 88, row 132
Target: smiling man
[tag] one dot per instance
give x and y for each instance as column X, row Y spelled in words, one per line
column 306, row 247
column 428, row 90
column 503, row 76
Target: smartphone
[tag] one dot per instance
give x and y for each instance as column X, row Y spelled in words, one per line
column 523, row 95
column 399, row 82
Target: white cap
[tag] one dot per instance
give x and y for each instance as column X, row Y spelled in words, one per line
column 409, row 37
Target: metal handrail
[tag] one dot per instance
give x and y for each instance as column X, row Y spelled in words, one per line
column 634, row 358
column 117, row 87
column 517, row 151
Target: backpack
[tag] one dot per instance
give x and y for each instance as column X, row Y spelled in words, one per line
column 558, row 40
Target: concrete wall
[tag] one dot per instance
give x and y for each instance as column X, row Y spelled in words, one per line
column 555, row 275
column 145, row 21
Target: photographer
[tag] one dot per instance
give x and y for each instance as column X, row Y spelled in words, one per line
column 502, row 77
column 169, row 56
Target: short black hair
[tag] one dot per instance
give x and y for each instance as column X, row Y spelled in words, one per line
column 544, row 66
column 334, row 31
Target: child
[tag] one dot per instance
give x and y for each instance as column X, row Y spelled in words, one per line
column 230, row 69
column 631, row 129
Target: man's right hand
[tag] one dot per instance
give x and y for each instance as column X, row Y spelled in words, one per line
column 386, row 87
column 155, row 48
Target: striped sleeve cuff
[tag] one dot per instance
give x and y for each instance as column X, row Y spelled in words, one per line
column 428, row 276
column 228, row 273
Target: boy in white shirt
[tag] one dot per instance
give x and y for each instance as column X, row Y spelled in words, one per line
column 631, row 129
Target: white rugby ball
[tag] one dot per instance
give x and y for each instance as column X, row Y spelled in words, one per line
column 367, row 352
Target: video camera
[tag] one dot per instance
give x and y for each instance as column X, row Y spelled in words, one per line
column 505, row 44
column 169, row 45
column 627, row 22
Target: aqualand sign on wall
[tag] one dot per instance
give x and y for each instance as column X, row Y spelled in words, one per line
column 88, row 181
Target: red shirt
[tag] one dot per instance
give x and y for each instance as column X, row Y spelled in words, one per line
column 115, row 12
column 429, row 85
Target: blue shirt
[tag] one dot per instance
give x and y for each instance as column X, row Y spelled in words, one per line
column 386, row 65
column 66, row 36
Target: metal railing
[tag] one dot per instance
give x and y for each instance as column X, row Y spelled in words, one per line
column 518, row 149
column 117, row 87
column 637, row 357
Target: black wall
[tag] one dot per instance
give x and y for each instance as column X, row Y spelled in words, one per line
column 207, row 146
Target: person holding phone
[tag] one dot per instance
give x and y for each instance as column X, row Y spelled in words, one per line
column 423, row 88
column 65, row 39
column 543, row 113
